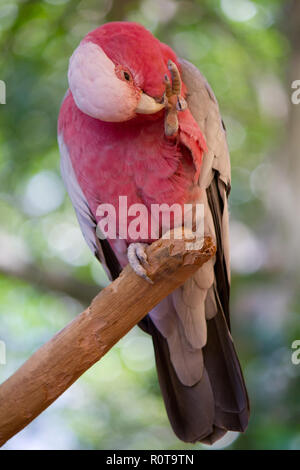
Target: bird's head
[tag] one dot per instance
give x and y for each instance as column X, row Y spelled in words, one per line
column 118, row 71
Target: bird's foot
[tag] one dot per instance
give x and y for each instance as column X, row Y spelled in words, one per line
column 136, row 254
column 173, row 100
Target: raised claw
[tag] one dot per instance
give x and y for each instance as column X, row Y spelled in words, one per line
column 174, row 102
column 176, row 80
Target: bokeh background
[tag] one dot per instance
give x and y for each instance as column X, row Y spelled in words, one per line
column 249, row 50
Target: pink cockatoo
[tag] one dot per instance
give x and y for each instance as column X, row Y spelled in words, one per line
column 139, row 122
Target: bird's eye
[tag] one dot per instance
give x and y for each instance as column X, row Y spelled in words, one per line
column 123, row 73
column 127, row 76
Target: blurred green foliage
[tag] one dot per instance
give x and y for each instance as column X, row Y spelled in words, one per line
column 241, row 49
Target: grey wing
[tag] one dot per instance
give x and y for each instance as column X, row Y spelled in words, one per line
column 215, row 177
column 184, row 322
column 220, row 359
column 198, row 369
column 100, row 248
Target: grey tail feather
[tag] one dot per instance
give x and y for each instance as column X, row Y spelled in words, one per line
column 232, row 407
column 218, row 402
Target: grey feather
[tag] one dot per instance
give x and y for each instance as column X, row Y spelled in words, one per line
column 202, row 304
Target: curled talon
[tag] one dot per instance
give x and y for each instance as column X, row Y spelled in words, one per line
column 136, row 254
column 140, row 252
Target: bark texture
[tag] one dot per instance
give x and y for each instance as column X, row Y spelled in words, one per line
column 112, row 313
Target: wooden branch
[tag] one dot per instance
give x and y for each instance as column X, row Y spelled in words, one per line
column 115, row 310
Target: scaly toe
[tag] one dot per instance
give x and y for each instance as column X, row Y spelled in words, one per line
column 136, row 255
column 181, row 104
column 141, row 252
column 174, row 102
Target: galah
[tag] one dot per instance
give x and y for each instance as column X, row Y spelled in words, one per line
column 138, row 121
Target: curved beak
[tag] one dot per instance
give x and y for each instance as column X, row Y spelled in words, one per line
column 148, row 105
